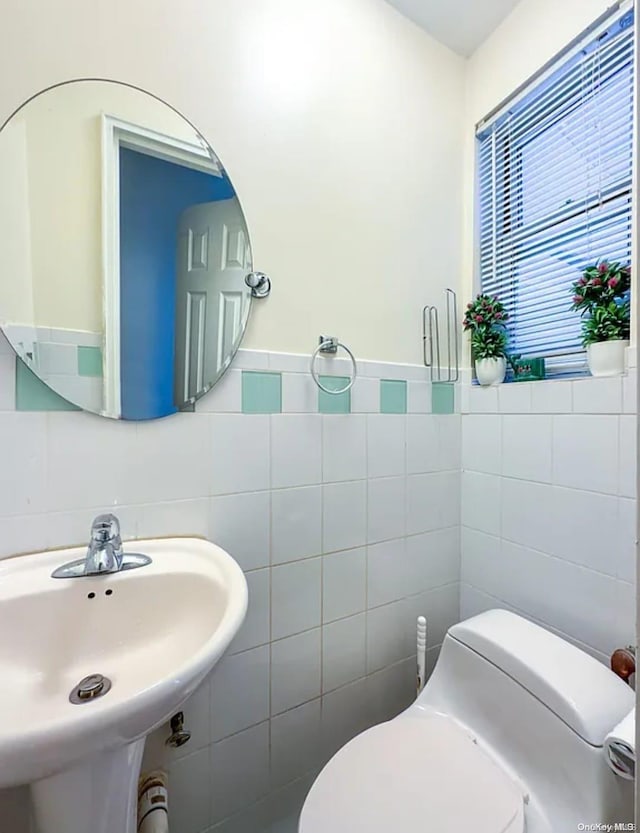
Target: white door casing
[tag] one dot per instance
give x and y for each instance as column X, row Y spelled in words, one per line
column 116, row 133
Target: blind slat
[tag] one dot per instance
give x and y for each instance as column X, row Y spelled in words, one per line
column 555, row 180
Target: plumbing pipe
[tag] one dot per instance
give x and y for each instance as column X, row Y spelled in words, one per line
column 153, row 816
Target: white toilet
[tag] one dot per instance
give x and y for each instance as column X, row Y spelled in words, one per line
column 506, row 737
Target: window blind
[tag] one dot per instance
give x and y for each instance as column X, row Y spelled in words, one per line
column 555, row 193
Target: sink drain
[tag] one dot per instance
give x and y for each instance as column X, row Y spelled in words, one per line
column 90, row 688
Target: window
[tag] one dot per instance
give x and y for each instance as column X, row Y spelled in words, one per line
column 555, row 179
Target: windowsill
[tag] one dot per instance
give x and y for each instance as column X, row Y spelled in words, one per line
column 580, row 394
column 466, row 374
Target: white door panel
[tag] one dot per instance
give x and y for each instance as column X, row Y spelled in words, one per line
column 211, row 297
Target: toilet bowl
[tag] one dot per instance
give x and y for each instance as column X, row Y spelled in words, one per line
column 506, row 737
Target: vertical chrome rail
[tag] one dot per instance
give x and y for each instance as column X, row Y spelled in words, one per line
column 435, row 328
column 427, row 337
column 453, row 370
column 431, row 339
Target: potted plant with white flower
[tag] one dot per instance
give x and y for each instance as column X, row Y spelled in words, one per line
column 485, row 319
column 602, row 296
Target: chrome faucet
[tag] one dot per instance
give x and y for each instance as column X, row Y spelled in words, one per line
column 104, row 553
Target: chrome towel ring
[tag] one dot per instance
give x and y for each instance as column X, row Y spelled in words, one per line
column 329, row 346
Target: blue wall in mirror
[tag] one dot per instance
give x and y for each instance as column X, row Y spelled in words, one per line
column 153, row 195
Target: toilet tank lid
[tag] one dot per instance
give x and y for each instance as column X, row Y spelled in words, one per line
column 581, row 691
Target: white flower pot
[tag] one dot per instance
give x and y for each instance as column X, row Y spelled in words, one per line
column 606, row 358
column 491, row 371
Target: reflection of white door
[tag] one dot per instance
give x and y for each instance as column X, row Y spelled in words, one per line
column 213, row 259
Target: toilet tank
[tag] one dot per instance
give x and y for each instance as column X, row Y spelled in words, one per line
column 542, row 708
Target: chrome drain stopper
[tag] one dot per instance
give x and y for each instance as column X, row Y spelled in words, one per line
column 90, row 688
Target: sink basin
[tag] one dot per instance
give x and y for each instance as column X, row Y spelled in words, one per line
column 154, row 632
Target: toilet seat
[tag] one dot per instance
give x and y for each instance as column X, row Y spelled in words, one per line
column 414, row 774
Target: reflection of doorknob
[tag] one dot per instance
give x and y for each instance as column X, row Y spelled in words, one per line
column 260, row 284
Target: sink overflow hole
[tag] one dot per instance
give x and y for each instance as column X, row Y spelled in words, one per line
column 108, row 592
column 91, row 596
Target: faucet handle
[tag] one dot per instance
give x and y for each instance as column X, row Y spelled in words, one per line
column 105, row 529
column 105, row 546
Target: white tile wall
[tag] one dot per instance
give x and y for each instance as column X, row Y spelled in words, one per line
column 295, row 743
column 423, row 452
column 526, row 447
column 347, row 527
column 189, row 782
column 296, row 523
column 585, row 452
column 296, row 450
column 419, row 397
column 344, row 584
column 343, row 652
column 225, row 397
column 296, row 597
column 295, row 670
column 481, row 443
column 239, row 694
column 240, row 459
column 598, row 396
column 514, row 399
column 299, row 393
column 344, row 515
column 552, row 397
column 239, row 771
column 386, row 508
column 256, row 628
column 386, row 635
column 344, row 447
column 365, row 396
column 481, row 501
column 229, row 529
column 387, row 572
column 386, row 445
column 549, row 509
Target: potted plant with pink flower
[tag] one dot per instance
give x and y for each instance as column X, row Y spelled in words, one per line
column 602, row 296
column 485, row 320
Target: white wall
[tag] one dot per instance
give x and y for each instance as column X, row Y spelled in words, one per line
column 534, row 32
column 339, row 123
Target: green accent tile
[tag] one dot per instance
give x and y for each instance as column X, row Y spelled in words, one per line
column 89, row 361
column 34, row 395
column 393, row 396
column 332, row 403
column 442, row 398
column 261, row 392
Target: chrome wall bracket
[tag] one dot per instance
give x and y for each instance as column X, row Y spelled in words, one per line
column 259, row 283
column 328, row 346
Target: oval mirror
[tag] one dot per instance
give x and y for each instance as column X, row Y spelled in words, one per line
column 125, row 250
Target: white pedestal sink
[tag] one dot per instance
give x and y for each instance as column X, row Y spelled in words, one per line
column 154, row 632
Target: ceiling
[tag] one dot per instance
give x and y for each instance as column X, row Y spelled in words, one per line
column 462, row 25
